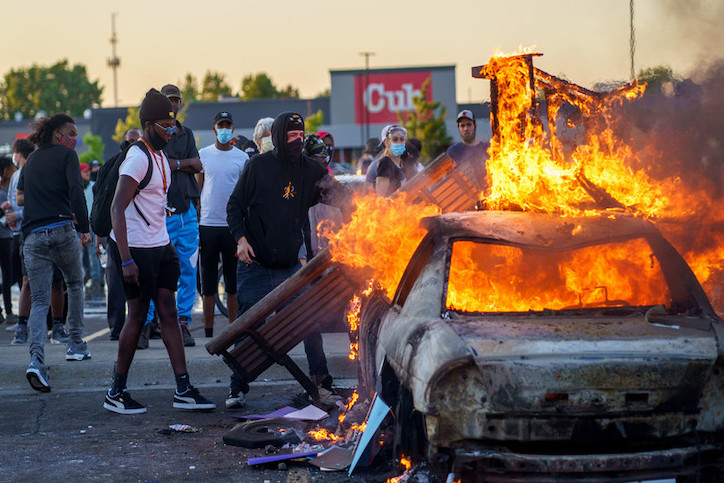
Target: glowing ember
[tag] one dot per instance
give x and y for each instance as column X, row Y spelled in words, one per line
column 324, row 435
column 405, row 463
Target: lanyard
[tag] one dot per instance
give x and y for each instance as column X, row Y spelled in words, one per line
column 160, row 165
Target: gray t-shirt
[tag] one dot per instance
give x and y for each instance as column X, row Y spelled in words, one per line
column 474, row 156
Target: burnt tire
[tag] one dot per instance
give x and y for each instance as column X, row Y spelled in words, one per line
column 264, row 432
column 410, row 436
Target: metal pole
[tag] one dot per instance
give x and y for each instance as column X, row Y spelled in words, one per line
column 114, row 61
column 632, row 41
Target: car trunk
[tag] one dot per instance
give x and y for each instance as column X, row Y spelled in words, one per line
column 578, row 365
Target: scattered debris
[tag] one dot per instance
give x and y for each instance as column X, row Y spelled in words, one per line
column 184, row 428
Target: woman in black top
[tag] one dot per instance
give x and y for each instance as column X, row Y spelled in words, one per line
column 389, row 168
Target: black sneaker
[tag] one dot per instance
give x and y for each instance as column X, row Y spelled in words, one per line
column 123, row 403
column 191, row 399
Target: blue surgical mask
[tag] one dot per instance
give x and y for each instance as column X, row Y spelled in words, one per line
column 397, row 149
column 223, row 135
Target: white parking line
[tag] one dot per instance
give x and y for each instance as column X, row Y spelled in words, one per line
column 100, row 333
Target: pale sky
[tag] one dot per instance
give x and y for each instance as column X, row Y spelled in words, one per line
column 299, row 42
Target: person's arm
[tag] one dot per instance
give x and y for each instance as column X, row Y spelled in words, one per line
column 76, row 193
column 200, row 180
column 188, row 165
column 382, row 185
column 19, row 192
column 125, row 190
column 21, row 197
column 235, row 214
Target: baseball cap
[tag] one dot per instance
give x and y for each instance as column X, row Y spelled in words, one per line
column 170, row 90
column 386, row 130
column 466, row 114
column 84, row 167
column 223, row 116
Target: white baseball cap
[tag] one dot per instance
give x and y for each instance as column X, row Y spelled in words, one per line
column 466, row 114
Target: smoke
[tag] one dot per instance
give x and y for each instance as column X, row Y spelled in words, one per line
column 697, row 23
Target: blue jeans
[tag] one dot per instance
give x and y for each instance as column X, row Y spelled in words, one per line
column 183, row 230
column 253, row 283
column 42, row 249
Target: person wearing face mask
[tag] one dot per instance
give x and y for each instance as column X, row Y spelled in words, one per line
column 51, row 189
column 142, row 248
column 222, row 165
column 182, row 221
column 266, row 214
column 262, row 134
column 390, row 175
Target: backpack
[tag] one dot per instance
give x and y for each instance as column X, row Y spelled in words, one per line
column 104, row 190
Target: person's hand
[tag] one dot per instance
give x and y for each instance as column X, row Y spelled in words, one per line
column 99, row 244
column 85, row 239
column 10, row 217
column 244, row 252
column 130, row 273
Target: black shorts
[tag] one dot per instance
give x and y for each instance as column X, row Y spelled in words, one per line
column 215, row 241
column 157, row 268
column 18, row 245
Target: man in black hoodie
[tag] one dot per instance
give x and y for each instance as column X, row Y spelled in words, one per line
column 266, row 215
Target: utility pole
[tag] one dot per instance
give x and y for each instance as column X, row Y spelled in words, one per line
column 114, row 62
column 632, row 41
column 365, row 114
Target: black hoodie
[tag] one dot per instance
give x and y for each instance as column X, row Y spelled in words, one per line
column 270, row 202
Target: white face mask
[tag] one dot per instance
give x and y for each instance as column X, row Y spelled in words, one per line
column 15, row 159
column 266, row 143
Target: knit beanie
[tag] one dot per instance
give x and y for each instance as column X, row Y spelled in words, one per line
column 155, row 107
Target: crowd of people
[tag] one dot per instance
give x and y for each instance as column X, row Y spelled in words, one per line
column 249, row 206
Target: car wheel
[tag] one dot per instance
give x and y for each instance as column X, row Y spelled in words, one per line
column 410, row 433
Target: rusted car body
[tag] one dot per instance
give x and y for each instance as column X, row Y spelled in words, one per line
column 610, row 389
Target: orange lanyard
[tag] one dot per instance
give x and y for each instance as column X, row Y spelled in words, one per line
column 160, row 165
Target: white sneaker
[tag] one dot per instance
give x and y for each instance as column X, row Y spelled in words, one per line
column 235, row 400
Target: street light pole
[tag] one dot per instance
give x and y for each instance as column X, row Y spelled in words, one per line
column 365, row 113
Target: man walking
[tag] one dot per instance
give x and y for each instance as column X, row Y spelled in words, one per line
column 470, row 150
column 266, row 214
column 51, row 190
column 140, row 245
column 222, row 166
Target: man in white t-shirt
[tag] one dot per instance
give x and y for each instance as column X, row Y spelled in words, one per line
column 222, row 166
column 141, row 246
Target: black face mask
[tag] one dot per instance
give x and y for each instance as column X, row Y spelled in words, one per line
column 156, row 140
column 295, row 149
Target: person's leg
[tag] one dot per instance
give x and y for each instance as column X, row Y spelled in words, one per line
column 66, row 252
column 116, row 299
column 170, row 331
column 186, row 240
column 228, row 260
column 39, row 268
column 314, row 349
column 128, row 338
column 6, row 265
column 209, row 262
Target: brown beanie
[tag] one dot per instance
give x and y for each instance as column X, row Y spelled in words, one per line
column 155, row 107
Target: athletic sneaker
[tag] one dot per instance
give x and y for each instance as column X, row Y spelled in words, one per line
column 77, row 351
column 235, row 400
column 191, row 399
column 21, row 335
column 123, row 403
column 37, row 374
column 59, row 335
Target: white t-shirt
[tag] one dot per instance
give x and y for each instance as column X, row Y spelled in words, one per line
column 221, row 172
column 151, row 200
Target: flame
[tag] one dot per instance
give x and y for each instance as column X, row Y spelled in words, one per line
column 622, row 274
column 324, row 435
column 405, row 463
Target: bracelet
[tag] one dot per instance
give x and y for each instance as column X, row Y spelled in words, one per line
column 127, row 263
column 178, row 165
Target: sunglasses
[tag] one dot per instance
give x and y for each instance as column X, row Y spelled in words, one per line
column 167, row 130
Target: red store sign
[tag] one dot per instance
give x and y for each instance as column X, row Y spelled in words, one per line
column 384, row 95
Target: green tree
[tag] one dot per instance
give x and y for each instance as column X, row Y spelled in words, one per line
column 131, row 121
column 260, row 86
column 190, row 89
column 96, row 147
column 214, row 86
column 325, row 93
column 313, row 122
column 58, row 88
column 656, row 77
column 423, row 124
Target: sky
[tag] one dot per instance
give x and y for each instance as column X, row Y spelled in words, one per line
column 298, row 43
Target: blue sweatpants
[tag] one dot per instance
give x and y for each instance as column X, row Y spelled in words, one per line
column 183, row 230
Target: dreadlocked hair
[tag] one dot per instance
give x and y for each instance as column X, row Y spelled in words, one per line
column 45, row 127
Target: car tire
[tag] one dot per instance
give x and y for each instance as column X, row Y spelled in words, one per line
column 410, row 436
column 264, row 432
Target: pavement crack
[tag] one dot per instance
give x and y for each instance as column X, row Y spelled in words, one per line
column 39, row 417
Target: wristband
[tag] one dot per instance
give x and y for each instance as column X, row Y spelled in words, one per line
column 127, row 263
column 178, row 165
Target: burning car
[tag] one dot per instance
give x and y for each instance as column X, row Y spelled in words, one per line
column 533, row 344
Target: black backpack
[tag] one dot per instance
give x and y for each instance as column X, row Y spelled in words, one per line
column 105, row 188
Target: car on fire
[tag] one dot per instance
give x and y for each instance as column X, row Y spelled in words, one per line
column 524, row 345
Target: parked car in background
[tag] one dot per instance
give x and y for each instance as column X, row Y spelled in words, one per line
column 522, row 345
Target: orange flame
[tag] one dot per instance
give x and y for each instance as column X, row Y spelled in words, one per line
column 324, row 435
column 405, row 463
